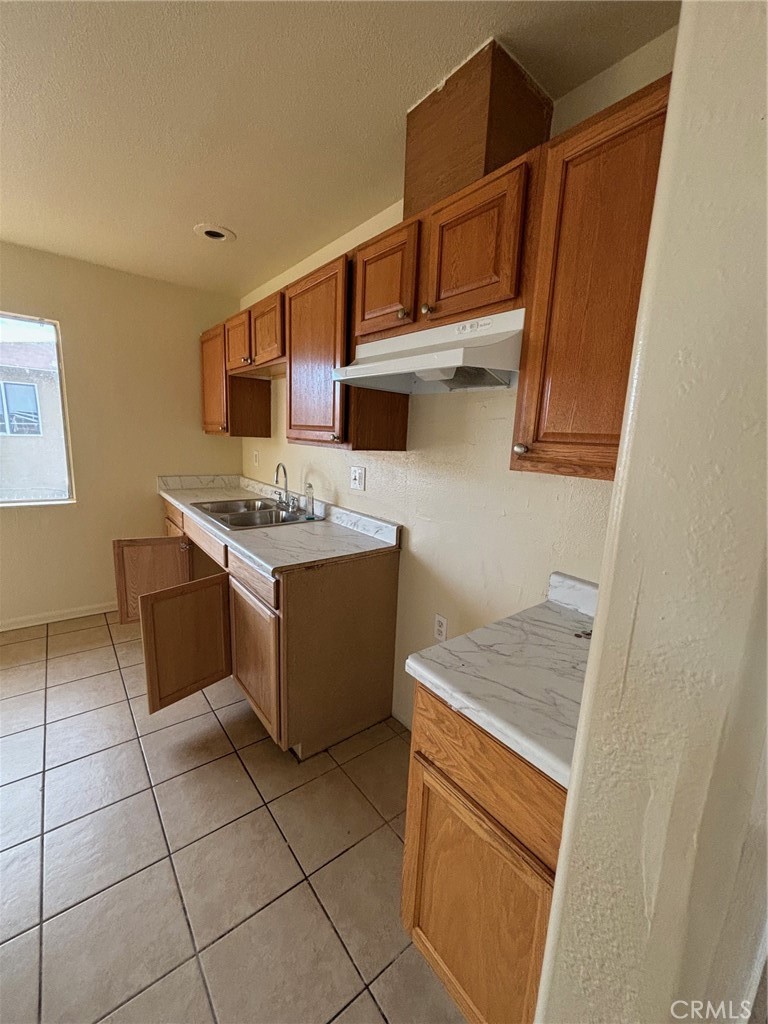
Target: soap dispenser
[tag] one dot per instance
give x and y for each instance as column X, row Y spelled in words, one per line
column 309, row 494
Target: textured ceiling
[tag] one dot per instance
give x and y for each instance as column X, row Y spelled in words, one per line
column 124, row 124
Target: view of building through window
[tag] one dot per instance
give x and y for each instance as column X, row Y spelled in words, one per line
column 34, row 444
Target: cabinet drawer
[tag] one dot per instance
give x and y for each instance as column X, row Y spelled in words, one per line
column 524, row 801
column 210, row 545
column 265, row 587
column 173, row 513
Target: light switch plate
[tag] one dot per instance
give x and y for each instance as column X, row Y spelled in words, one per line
column 357, row 478
column 255, row 457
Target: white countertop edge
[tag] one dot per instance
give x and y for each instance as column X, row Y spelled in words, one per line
column 506, row 733
column 361, row 522
column 230, row 538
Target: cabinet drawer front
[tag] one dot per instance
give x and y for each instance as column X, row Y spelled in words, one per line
column 173, row 513
column 385, row 280
column 474, row 246
column 517, row 795
column 476, row 902
column 265, row 587
column 210, row 545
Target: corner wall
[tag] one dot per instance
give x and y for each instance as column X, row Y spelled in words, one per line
column 480, row 541
column 660, row 895
column 132, row 370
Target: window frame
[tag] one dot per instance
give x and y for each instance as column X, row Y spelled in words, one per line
column 44, row 502
column 6, row 415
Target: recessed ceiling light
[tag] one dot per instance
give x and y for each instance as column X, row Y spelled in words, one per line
column 215, row 232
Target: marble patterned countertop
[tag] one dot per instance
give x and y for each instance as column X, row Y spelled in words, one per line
column 340, row 533
column 520, row 679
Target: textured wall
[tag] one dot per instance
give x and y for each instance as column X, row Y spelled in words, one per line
column 660, row 890
column 133, row 386
column 480, row 541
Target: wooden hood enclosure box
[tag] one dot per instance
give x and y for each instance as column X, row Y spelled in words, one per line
column 485, row 114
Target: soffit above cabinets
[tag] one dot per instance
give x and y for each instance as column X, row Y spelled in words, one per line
column 124, row 125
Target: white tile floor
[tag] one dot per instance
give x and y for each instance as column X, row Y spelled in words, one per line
column 179, row 868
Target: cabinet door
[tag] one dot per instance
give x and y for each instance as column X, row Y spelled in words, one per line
column 267, row 339
column 238, row 336
column 255, row 654
column 475, row 900
column 149, row 564
column 597, row 198
column 214, row 377
column 171, row 529
column 385, row 280
column 475, row 246
column 186, row 639
column 315, row 323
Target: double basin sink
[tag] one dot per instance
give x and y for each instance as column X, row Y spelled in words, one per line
column 249, row 513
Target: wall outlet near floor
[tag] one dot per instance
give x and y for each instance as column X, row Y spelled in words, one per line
column 255, row 457
column 441, row 628
column 357, row 478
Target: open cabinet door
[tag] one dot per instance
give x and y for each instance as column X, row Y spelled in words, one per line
column 145, row 565
column 186, row 639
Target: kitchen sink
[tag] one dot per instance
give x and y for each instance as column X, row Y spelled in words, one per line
column 249, row 514
column 245, row 505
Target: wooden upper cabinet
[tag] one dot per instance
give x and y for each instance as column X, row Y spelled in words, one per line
column 214, row 379
column 475, row 245
column 385, row 279
column 186, row 635
column 597, row 195
column 267, row 337
column 146, row 565
column 315, row 328
column 255, row 654
column 238, row 335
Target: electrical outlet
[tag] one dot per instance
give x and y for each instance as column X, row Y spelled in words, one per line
column 357, row 478
column 441, row 628
column 255, row 457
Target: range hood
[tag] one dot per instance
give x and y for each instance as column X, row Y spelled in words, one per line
column 469, row 356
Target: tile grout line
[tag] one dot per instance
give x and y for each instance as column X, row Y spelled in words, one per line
column 42, row 840
column 170, row 858
column 265, row 804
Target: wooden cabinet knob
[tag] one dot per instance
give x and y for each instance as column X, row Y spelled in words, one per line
column 426, row 308
column 402, row 314
column 520, row 449
column 245, row 359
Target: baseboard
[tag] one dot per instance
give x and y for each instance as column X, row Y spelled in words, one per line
column 55, row 615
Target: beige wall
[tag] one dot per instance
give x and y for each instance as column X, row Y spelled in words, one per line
column 660, row 892
column 480, row 541
column 133, row 388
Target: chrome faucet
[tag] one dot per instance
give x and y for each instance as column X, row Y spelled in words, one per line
column 278, row 467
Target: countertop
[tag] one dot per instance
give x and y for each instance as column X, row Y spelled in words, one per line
column 521, row 678
column 341, row 533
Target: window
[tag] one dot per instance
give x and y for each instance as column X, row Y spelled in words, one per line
column 35, row 464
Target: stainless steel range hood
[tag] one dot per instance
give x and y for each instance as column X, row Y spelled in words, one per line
column 469, row 356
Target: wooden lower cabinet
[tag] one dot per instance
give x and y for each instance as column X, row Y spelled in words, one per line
column 254, row 629
column 476, row 899
column 316, row 669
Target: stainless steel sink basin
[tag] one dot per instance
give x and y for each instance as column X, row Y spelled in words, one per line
column 245, row 505
column 249, row 514
column 269, row 517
